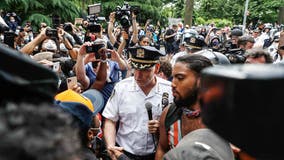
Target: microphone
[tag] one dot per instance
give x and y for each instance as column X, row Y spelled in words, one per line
column 148, row 106
column 165, row 100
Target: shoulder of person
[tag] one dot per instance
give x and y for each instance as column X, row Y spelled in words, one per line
column 193, row 147
column 125, row 82
column 205, row 142
column 163, row 82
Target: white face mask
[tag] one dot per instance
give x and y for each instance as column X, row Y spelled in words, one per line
column 2, row 37
column 49, row 45
column 12, row 20
column 63, row 48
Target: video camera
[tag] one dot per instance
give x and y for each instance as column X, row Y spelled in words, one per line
column 52, row 33
column 94, row 25
column 236, row 55
column 123, row 14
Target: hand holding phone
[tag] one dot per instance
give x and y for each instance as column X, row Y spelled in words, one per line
column 56, row 66
column 71, row 82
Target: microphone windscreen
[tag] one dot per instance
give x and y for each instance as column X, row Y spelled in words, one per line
column 148, row 106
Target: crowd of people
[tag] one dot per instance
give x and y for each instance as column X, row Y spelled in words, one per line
column 130, row 92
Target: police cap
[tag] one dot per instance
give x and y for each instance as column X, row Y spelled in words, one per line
column 143, row 57
column 195, row 42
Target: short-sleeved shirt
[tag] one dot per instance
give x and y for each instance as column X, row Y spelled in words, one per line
column 127, row 105
column 114, row 77
column 170, row 32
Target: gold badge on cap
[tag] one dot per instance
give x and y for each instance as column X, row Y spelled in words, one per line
column 192, row 40
column 140, row 53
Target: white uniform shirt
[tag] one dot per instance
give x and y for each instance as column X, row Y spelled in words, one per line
column 126, row 105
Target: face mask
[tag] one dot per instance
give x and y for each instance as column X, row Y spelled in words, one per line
column 215, row 43
column 49, row 45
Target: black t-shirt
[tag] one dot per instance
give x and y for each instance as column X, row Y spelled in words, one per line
column 170, row 32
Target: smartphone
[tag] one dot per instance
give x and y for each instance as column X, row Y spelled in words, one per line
column 71, row 82
column 56, row 66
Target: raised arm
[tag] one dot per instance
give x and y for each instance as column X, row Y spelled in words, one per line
column 80, row 67
column 110, row 28
column 102, row 73
column 29, row 48
column 135, row 29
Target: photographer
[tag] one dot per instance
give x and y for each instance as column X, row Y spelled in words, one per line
column 95, row 70
column 113, row 39
column 71, row 29
column 49, row 40
column 12, row 20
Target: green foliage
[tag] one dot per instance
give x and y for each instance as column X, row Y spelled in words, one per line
column 200, row 21
column 233, row 10
column 41, row 10
column 179, row 8
column 221, row 11
column 220, row 23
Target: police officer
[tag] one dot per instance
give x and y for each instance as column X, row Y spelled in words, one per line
column 126, row 106
column 193, row 44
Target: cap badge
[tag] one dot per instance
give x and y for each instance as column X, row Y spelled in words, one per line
column 140, row 53
column 192, row 40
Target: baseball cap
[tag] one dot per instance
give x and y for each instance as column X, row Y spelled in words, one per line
column 91, row 99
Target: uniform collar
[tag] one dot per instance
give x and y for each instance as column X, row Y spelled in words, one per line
column 136, row 88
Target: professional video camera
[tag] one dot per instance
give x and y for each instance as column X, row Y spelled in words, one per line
column 123, row 14
column 94, row 25
column 236, row 55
